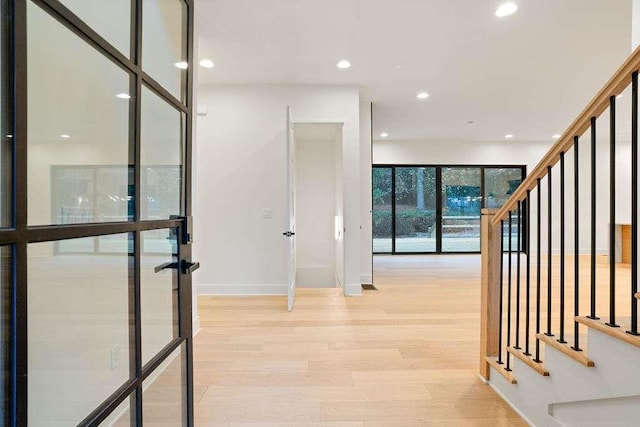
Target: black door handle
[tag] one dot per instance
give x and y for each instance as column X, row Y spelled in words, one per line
column 166, row 265
column 186, row 267
column 288, row 233
column 189, row 267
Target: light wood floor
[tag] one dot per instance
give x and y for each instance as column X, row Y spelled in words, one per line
column 404, row 355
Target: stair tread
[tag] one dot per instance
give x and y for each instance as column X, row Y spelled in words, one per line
column 619, row 333
column 565, row 349
column 501, row 369
column 528, row 360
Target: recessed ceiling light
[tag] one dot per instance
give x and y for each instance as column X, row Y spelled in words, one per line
column 182, row 65
column 65, row 136
column 556, row 136
column 123, row 96
column 508, row 136
column 206, row 63
column 384, row 135
column 422, row 95
column 344, row 64
column 506, row 9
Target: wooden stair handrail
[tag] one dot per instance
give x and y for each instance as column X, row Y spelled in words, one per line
column 597, row 106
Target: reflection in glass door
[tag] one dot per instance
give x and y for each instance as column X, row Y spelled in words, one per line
column 95, row 230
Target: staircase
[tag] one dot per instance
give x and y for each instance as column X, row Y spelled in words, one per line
column 604, row 394
column 559, row 321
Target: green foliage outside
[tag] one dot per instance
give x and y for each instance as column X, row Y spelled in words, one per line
column 408, row 222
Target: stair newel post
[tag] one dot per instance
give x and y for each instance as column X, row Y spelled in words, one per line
column 490, row 318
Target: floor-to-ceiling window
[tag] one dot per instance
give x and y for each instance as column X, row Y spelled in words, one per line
column 95, row 212
column 436, row 209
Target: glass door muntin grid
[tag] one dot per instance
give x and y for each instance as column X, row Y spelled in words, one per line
column 21, row 235
column 390, row 247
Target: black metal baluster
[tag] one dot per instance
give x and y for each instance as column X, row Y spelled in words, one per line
column 509, row 297
column 576, row 244
column 549, row 231
column 528, row 274
column 612, row 213
column 592, row 314
column 501, row 291
column 562, row 260
column 518, row 253
column 634, row 204
column 538, row 270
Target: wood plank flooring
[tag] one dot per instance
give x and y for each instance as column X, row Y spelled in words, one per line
column 404, row 355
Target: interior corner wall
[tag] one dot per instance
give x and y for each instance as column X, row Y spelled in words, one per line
column 241, row 164
column 529, row 154
column 366, row 230
column 315, row 213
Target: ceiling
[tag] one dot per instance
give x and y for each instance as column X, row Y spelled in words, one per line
column 529, row 74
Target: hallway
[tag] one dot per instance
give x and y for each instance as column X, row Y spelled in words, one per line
column 404, row 355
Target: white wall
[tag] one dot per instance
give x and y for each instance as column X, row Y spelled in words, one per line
column 315, row 211
column 366, row 244
column 529, row 154
column 241, row 170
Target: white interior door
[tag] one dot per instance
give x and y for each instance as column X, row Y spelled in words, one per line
column 291, row 208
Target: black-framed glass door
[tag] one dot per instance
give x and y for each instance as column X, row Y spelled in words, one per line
column 95, row 212
column 427, row 209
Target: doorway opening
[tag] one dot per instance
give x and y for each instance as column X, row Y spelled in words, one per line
column 319, row 205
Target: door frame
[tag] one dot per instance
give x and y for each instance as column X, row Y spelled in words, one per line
column 20, row 234
column 439, row 202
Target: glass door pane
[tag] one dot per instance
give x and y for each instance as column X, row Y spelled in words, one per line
column 499, row 184
column 415, row 209
column 77, row 117
column 461, row 204
column 163, row 398
column 159, row 291
column 79, row 335
column 382, row 210
column 162, row 138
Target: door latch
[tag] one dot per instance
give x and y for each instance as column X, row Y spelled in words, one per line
column 187, row 228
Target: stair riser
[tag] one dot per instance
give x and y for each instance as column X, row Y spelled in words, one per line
column 616, row 375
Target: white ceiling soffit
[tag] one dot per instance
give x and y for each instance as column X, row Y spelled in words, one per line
column 529, row 74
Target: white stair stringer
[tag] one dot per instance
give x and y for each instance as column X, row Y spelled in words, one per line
column 575, row 395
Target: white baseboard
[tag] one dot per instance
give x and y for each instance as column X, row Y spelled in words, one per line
column 353, row 290
column 196, row 325
column 242, row 290
column 366, row 279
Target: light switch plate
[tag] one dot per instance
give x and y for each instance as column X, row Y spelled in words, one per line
column 267, row 213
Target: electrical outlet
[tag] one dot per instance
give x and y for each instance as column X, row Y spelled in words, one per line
column 115, row 357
